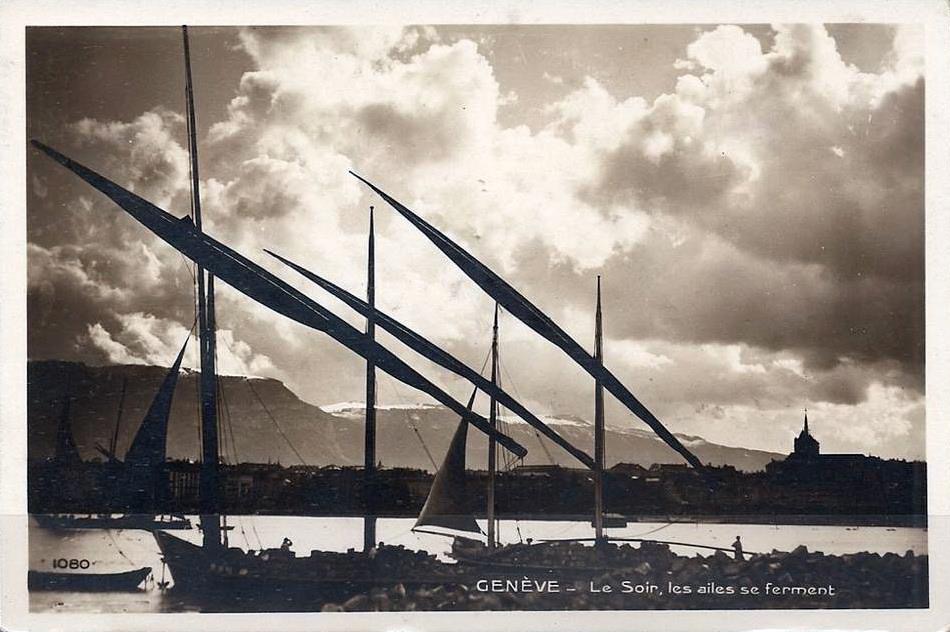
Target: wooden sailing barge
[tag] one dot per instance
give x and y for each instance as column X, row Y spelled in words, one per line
column 214, row 565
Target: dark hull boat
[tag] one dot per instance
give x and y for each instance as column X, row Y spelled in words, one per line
column 144, row 522
column 279, row 573
column 88, row 582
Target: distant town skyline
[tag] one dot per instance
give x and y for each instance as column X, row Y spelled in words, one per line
column 751, row 195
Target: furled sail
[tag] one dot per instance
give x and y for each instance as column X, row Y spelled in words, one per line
column 529, row 314
column 67, row 454
column 445, row 505
column 257, row 283
column 441, row 357
column 148, row 446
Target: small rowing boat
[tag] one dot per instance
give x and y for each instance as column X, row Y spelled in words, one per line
column 91, row 582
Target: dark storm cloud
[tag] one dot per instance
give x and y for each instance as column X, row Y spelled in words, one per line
column 758, row 226
column 812, row 193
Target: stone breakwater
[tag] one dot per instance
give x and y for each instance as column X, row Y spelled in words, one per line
column 651, row 577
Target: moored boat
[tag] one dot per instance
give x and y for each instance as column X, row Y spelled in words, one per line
column 88, row 582
column 146, row 522
column 215, row 565
column 282, row 571
column 139, row 481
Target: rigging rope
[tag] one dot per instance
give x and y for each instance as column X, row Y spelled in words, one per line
column 228, row 421
column 118, row 548
column 257, row 536
column 280, row 430
column 226, row 424
column 247, row 542
column 394, row 388
column 544, row 446
column 395, row 391
column 197, row 332
column 640, row 535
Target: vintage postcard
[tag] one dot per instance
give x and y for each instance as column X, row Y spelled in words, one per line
column 339, row 318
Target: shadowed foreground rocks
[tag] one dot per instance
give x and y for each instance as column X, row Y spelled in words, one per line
column 652, row 577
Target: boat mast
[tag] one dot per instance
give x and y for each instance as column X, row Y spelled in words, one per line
column 369, row 450
column 492, row 447
column 599, row 427
column 67, row 454
column 113, row 445
column 208, row 482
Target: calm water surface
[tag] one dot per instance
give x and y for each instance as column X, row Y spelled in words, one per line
column 110, row 551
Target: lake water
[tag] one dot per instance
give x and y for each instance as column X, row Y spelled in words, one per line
column 111, row 551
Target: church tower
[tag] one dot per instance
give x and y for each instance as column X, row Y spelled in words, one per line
column 806, row 446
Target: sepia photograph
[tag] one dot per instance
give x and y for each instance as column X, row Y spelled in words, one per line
column 408, row 317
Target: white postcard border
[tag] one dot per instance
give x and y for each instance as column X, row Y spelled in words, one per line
column 15, row 15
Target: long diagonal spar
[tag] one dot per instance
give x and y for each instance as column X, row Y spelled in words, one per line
column 265, row 288
column 529, row 314
column 433, row 352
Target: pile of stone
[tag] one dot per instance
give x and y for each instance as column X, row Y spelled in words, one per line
column 573, row 554
column 652, row 577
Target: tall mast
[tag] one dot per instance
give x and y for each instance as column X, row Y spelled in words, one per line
column 492, row 447
column 208, row 482
column 369, row 450
column 599, row 426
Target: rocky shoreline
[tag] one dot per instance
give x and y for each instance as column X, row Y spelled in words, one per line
column 570, row 576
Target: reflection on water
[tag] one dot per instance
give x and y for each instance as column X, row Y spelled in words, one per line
column 111, row 551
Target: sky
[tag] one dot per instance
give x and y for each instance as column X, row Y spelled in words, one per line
column 751, row 195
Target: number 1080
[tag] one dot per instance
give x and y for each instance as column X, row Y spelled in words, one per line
column 72, row 563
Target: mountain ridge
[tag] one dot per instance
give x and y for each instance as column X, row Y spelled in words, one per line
column 264, row 421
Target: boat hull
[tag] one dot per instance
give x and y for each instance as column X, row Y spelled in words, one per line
column 128, row 581
column 135, row 521
column 280, row 575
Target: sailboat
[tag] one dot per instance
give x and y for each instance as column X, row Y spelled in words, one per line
column 215, row 565
column 445, row 502
column 446, row 507
column 441, row 357
column 140, row 480
column 527, row 312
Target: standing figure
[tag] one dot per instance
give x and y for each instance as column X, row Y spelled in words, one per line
column 737, row 547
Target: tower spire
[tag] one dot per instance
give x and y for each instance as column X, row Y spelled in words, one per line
column 806, row 421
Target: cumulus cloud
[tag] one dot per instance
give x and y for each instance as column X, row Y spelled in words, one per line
column 759, row 226
column 787, row 160
column 145, row 339
column 143, row 153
